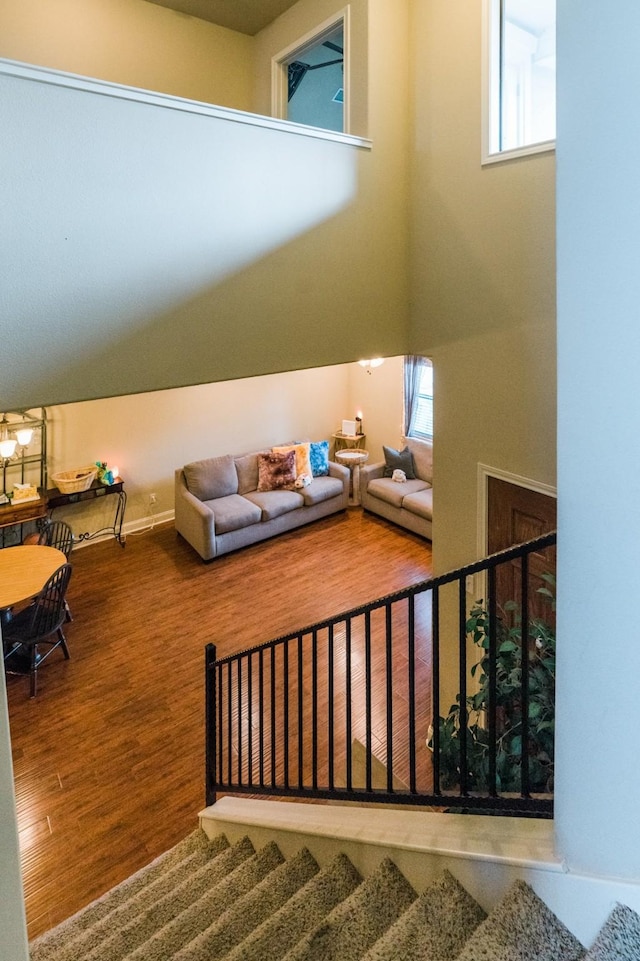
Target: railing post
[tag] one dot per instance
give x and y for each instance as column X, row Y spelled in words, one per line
column 210, row 725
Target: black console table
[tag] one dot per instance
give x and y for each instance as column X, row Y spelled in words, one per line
column 56, row 499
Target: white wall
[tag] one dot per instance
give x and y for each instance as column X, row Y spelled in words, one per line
column 172, row 247
column 149, row 435
column 597, row 773
column 379, row 395
column 483, row 281
column 13, row 930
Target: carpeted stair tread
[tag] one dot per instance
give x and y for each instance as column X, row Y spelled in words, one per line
column 521, row 928
column 217, row 879
column 184, row 925
column 619, row 937
column 181, row 859
column 355, row 924
column 434, row 928
column 301, row 913
column 258, row 904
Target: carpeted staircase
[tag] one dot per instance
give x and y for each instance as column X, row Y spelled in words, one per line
column 207, row 900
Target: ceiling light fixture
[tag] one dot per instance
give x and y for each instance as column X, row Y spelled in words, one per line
column 369, row 365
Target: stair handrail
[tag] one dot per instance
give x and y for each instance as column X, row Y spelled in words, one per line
column 231, row 683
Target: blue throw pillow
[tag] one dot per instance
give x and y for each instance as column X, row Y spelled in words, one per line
column 319, row 457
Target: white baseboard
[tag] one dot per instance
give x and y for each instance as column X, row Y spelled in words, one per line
column 134, row 528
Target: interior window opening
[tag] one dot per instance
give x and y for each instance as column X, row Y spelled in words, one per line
column 311, row 79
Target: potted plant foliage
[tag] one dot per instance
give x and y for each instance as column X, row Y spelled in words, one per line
column 541, row 653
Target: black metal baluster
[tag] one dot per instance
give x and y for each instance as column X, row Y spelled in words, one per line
column 348, row 717
column 261, row 716
column 389, row 689
column 211, row 735
column 250, row 719
column 239, row 712
column 229, row 722
column 367, row 675
column 300, row 714
column 219, row 672
column 464, row 716
column 330, row 687
column 525, row 786
column 314, row 709
column 285, row 720
column 411, row 665
column 493, row 682
column 273, row 715
column 435, row 688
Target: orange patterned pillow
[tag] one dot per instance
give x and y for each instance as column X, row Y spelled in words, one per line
column 303, row 456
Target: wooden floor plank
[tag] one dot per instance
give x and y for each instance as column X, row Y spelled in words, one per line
column 109, row 758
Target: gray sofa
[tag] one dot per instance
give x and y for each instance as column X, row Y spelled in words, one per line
column 410, row 503
column 218, row 507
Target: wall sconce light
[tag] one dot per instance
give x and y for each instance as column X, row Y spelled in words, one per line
column 22, row 439
column 369, row 365
column 24, row 436
column 7, row 444
column 7, row 450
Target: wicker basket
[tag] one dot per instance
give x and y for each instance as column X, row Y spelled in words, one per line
column 74, row 481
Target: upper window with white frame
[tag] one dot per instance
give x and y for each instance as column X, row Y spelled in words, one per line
column 519, row 98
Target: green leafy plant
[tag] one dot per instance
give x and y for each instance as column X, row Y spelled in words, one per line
column 541, row 653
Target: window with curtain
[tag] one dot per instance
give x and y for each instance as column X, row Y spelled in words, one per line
column 418, row 397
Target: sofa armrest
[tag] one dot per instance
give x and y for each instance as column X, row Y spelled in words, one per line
column 369, row 472
column 194, row 520
column 342, row 473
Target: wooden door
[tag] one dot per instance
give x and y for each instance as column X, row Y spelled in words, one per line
column 516, row 514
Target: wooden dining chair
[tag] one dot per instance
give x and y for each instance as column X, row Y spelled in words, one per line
column 58, row 534
column 38, row 624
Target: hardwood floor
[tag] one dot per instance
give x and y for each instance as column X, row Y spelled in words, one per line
column 109, row 758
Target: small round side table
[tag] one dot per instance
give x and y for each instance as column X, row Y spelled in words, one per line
column 352, row 458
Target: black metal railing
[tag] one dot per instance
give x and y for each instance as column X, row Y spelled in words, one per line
column 350, row 708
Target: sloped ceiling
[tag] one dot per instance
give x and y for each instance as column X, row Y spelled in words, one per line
column 245, row 16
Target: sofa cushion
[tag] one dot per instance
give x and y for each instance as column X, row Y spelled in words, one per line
column 272, row 504
column 391, row 492
column 420, row 503
column 422, row 452
column 319, row 456
column 398, row 460
column 213, row 477
column 322, row 489
column 233, row 512
column 276, row 471
column 247, row 469
column 301, row 451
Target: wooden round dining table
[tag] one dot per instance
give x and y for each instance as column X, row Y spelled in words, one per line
column 25, row 570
